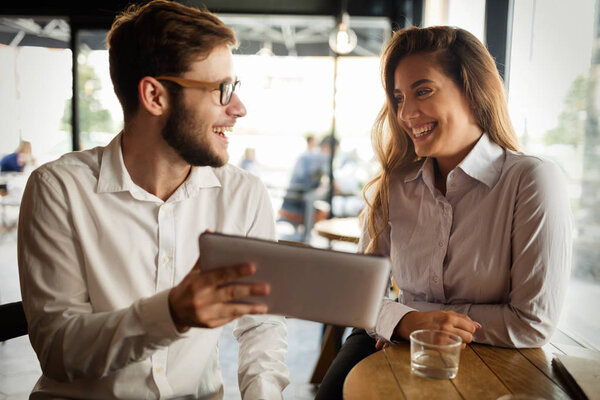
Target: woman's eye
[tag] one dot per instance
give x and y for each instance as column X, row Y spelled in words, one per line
column 398, row 99
column 423, row 92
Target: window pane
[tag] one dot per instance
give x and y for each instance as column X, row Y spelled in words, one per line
column 359, row 97
column 469, row 15
column 35, row 84
column 100, row 113
column 553, row 111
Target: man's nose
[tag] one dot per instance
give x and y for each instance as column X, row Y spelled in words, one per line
column 236, row 108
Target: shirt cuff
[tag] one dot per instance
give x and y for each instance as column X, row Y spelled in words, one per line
column 157, row 321
column 391, row 313
column 262, row 389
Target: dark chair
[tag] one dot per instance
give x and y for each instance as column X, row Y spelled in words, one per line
column 12, row 321
column 315, row 210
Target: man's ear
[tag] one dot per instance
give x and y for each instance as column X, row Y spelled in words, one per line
column 153, row 96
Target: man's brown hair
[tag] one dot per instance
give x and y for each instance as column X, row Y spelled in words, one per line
column 159, row 38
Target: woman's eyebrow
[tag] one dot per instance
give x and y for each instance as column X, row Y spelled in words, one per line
column 419, row 82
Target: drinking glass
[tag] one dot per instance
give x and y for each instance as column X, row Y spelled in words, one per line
column 435, row 354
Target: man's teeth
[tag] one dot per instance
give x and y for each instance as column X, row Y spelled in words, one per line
column 423, row 130
column 220, row 130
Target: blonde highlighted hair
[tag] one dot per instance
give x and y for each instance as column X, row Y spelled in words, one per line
column 465, row 60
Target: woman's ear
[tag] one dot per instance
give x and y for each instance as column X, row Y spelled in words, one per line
column 153, row 96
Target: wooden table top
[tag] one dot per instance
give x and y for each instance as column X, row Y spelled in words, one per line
column 342, row 229
column 485, row 372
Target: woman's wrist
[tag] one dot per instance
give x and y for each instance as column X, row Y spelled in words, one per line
column 402, row 329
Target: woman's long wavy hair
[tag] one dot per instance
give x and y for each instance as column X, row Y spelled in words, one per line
column 464, row 59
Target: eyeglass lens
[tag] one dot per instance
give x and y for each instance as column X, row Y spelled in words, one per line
column 227, row 89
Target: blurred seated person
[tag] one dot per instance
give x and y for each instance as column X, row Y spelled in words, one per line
column 248, row 161
column 309, row 171
column 15, row 162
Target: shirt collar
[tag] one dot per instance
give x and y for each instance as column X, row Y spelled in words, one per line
column 425, row 172
column 114, row 177
column 483, row 163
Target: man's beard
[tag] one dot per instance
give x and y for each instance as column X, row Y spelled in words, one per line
column 187, row 136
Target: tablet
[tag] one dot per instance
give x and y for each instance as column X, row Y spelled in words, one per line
column 308, row 283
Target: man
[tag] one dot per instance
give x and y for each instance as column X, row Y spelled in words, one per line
column 108, row 247
column 299, row 201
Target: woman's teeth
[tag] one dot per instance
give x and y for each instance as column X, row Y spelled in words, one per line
column 423, row 130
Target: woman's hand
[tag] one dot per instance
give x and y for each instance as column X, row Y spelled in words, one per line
column 380, row 344
column 448, row 321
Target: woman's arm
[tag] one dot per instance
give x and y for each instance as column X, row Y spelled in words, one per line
column 541, row 259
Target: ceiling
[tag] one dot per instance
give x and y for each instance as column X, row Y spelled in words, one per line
column 281, row 27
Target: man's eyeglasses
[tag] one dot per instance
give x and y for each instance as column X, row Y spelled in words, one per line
column 226, row 88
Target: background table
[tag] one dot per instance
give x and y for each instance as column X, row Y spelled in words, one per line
column 341, row 229
column 485, row 372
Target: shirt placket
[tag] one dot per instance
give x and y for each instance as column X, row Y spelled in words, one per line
column 436, row 274
column 165, row 272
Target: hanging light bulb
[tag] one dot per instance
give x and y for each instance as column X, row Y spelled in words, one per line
column 343, row 40
column 266, row 50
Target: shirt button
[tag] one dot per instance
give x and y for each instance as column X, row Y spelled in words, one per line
column 441, row 244
column 164, row 260
column 435, row 279
column 158, row 369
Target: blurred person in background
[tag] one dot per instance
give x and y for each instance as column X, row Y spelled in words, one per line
column 249, row 162
column 19, row 159
column 310, row 173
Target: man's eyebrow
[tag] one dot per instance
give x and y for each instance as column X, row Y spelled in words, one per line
column 228, row 79
column 419, row 82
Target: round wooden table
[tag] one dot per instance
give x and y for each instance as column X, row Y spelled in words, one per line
column 485, row 372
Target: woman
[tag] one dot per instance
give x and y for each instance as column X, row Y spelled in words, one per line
column 477, row 233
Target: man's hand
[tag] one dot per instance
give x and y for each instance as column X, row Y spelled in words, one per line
column 208, row 299
column 448, row 321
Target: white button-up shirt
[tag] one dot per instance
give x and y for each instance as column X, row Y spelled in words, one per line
column 97, row 258
column 497, row 247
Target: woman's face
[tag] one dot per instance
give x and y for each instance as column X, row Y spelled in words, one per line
column 434, row 111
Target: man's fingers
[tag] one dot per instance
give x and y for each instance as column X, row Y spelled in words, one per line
column 222, row 276
column 233, row 292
